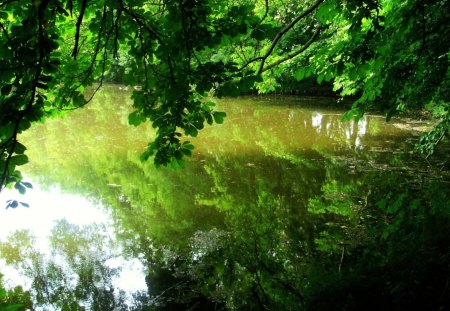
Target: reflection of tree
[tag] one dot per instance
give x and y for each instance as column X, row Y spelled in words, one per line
column 14, row 299
column 257, row 221
column 404, row 262
column 75, row 275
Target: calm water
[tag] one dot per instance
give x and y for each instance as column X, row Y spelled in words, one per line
column 282, row 189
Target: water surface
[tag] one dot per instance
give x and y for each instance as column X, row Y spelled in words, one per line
column 283, row 189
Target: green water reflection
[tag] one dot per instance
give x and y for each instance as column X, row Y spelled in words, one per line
column 284, row 207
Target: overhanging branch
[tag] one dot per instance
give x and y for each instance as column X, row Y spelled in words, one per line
column 251, row 61
column 78, row 26
column 266, row 12
column 12, row 140
column 295, row 53
column 284, row 31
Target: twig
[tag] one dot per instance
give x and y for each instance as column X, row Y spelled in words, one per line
column 78, row 26
column 295, row 53
column 251, row 61
column 94, row 57
column 105, row 57
column 166, row 290
column 284, row 31
column 266, row 12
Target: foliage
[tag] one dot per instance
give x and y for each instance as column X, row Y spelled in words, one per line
column 429, row 141
column 404, row 264
column 15, row 299
column 392, row 56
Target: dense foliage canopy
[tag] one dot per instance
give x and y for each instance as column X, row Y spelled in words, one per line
column 388, row 55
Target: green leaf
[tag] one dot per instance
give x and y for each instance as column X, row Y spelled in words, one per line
column 19, row 149
column 353, row 74
column 326, row 12
column 209, row 119
column 78, row 100
column 148, row 152
column 20, row 159
column 219, row 116
column 191, row 131
column 186, row 152
column 175, row 163
column 187, row 145
column 135, row 118
column 299, row 75
column 320, row 78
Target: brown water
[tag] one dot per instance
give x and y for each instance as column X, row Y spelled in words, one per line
column 283, row 181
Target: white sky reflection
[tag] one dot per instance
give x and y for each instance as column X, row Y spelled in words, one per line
column 49, row 206
column 45, row 208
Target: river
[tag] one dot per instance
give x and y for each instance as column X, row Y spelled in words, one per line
column 273, row 207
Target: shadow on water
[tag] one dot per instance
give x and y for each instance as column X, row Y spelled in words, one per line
column 281, row 208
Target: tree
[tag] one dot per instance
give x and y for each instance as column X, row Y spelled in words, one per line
column 390, row 55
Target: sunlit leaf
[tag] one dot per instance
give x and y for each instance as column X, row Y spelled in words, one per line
column 20, row 159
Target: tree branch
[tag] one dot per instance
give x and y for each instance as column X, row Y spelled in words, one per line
column 116, row 33
column 87, row 73
column 104, row 59
column 22, row 113
column 251, row 61
column 284, row 31
column 70, row 5
column 295, row 53
column 266, row 12
column 78, row 26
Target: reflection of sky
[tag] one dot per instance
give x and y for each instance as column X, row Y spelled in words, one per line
column 46, row 207
column 317, row 121
column 349, row 130
column 362, row 126
column 362, row 130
